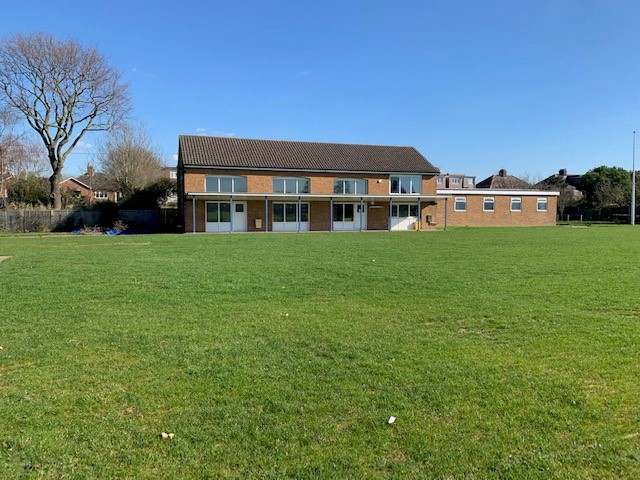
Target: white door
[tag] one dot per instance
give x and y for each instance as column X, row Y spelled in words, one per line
column 218, row 217
column 403, row 217
column 349, row 216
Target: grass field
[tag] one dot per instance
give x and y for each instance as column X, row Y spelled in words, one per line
column 503, row 353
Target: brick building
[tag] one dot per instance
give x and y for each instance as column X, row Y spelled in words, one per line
column 91, row 187
column 483, row 207
column 232, row 184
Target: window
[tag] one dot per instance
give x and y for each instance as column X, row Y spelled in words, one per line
column 404, row 211
column 460, row 204
column 455, row 180
column 343, row 212
column 291, row 185
column 218, row 212
column 542, row 204
column 405, row 184
column 516, row 204
column 239, row 207
column 488, row 204
column 225, row 184
column 173, row 174
column 287, row 212
column 469, row 181
column 350, row 187
column 101, row 195
column 440, row 180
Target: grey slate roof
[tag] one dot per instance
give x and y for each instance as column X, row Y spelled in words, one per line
column 225, row 152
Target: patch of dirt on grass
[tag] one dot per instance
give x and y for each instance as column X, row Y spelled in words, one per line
column 4, row 258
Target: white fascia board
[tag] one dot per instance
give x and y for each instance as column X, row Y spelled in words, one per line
column 497, row 192
column 311, row 196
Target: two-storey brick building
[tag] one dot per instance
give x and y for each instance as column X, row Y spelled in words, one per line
column 240, row 185
column 233, row 184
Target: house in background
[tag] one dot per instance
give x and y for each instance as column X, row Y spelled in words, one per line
column 563, row 182
column 233, row 184
column 503, row 180
column 171, row 173
column 91, row 187
column 455, row 180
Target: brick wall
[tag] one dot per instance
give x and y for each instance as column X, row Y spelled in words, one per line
column 502, row 216
column 319, row 183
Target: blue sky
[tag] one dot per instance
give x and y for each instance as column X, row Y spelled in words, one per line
column 475, row 86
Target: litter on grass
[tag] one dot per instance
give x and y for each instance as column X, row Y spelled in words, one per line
column 391, row 420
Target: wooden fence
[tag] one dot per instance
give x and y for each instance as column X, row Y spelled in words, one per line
column 162, row 220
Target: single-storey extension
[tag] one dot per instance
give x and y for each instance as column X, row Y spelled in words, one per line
column 480, row 207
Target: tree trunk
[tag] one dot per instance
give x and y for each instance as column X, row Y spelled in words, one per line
column 56, row 194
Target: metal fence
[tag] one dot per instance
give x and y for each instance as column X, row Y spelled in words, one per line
column 23, row 221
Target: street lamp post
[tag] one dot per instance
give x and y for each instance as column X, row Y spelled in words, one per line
column 633, row 183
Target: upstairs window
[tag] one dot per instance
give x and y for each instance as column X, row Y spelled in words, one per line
column 455, row 180
column 406, row 184
column 225, row 184
column 350, row 187
column 291, row 185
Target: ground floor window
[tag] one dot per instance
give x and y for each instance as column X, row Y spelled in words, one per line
column 288, row 212
column 542, row 204
column 343, row 212
column 404, row 210
column 460, row 204
column 488, row 204
column 218, row 212
column 516, row 204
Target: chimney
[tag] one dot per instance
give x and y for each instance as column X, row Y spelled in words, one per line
column 90, row 170
column 563, row 172
column 502, row 172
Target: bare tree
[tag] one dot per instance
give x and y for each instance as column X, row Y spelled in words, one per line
column 8, row 119
column 22, row 156
column 130, row 159
column 63, row 90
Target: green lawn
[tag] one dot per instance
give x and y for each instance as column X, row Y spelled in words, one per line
column 503, row 353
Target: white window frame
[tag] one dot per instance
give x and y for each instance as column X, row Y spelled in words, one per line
column 298, row 212
column 493, row 204
column 411, row 184
column 518, row 200
column 455, row 204
column 455, row 180
column 233, row 183
column 546, row 204
column 469, row 180
column 173, row 174
column 395, row 210
column 356, row 180
column 289, row 179
column 101, row 194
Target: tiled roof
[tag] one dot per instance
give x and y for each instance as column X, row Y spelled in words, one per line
column 97, row 181
column 246, row 153
column 503, row 181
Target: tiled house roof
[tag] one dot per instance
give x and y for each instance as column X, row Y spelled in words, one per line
column 221, row 152
column 504, row 181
